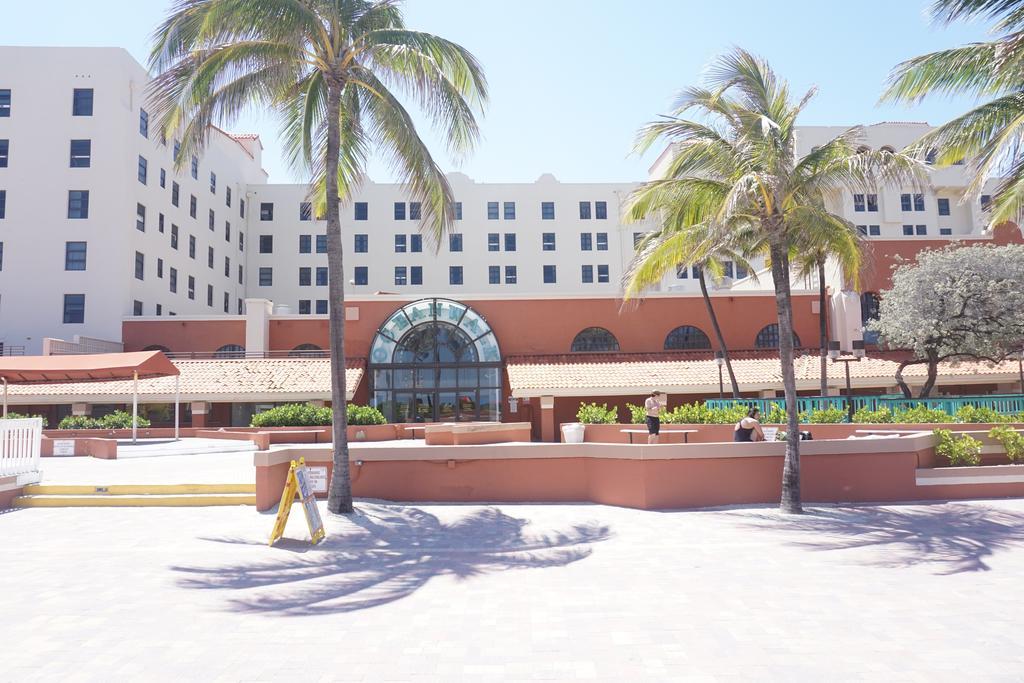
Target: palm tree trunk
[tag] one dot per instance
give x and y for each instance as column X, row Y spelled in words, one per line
column 718, row 333
column 823, row 326
column 339, row 499
column 783, row 302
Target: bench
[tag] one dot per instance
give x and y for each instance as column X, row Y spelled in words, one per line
column 685, row 432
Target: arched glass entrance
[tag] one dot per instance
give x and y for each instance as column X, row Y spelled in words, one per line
column 435, row 360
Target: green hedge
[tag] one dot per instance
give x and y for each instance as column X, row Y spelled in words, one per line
column 308, row 415
column 119, row 419
column 593, row 414
column 19, row 416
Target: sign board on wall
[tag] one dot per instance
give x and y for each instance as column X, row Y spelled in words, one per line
column 63, row 446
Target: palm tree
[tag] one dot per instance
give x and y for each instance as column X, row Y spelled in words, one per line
column 991, row 133
column 671, row 247
column 331, row 70
column 843, row 243
column 738, row 169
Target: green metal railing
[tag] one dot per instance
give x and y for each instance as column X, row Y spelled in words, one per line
column 1007, row 404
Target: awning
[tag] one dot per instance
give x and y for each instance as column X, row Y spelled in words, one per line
column 97, row 367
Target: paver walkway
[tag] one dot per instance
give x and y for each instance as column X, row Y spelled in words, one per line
column 515, row 592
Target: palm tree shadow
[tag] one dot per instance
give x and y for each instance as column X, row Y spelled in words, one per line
column 954, row 537
column 388, row 552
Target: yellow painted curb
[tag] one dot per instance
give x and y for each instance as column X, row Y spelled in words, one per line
column 136, row 489
column 132, row 501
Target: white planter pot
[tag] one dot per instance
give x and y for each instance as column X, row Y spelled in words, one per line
column 572, row 433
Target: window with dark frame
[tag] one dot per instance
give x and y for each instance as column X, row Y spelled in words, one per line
column 81, row 153
column 81, row 102
column 75, row 255
column 74, row 308
column 78, row 204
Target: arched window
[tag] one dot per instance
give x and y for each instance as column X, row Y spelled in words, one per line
column 687, row 337
column 768, row 337
column 869, row 305
column 595, row 339
column 306, row 351
column 230, row 351
column 157, row 347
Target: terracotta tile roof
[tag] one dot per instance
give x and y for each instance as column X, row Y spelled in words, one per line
column 697, row 372
column 222, row 380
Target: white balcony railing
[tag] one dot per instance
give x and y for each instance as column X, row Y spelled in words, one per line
column 20, row 441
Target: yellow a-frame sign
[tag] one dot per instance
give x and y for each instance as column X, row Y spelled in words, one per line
column 298, row 482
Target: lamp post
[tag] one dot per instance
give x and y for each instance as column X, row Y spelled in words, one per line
column 720, row 361
column 847, row 357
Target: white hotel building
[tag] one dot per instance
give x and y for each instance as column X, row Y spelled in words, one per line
column 102, row 239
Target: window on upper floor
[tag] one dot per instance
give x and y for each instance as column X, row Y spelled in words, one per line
column 416, row 275
column 399, row 211
column 908, row 230
column 510, row 241
column 602, row 273
column 920, row 229
column 858, row 202
column 175, row 193
column 227, row 302
column 550, row 274
column 321, row 276
column 768, row 337
column 5, row 103
column 266, row 211
column 163, row 178
column 547, row 211
column 943, row 205
column 143, row 123
column 601, row 210
column 74, row 308
column 136, row 308
column 241, row 208
column 362, row 211
column 305, row 276
column 193, row 206
column 304, row 308
column 3, row 203
column 945, row 231
column 872, row 202
column 81, row 153
column 455, row 241
column 416, row 243
column 140, row 218
column 81, row 102
column 918, row 202
column 321, row 306
column 510, row 211
column 511, row 275
column 195, row 168
column 174, row 236
column 241, row 274
column 415, row 211
column 986, row 202
column 594, row 339
column 172, row 280
column 241, row 241
column 685, row 338
column 160, row 268
column 400, row 244
column 75, row 255
column 227, row 231
column 361, row 275
column 602, row 241
column 585, row 210
column 143, row 173
column 547, row 241
column 586, row 273
column 213, row 183
column 227, row 266
column 906, row 203
column 176, row 150
column 682, row 271
column 492, row 211
column 209, row 257
column 493, row 241
column 586, row 241
column 191, row 246
column 266, row 276
column 140, row 266
column 191, row 287
column 227, row 196
column 401, row 275
column 305, row 211
column 362, row 243
column 455, row 275
column 4, row 151
column 266, row 244
column 78, row 203
column 212, row 220
column 458, row 211
column 305, row 244
column 494, row 275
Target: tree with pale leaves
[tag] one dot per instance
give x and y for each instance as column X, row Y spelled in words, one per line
column 957, row 303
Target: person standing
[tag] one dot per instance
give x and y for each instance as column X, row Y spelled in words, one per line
column 653, row 407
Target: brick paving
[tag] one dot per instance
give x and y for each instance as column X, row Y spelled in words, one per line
column 515, row 592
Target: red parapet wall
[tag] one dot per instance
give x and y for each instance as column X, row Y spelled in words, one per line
column 645, row 477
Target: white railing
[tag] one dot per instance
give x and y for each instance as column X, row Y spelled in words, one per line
column 20, row 441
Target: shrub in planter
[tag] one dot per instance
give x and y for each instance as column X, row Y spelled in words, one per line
column 959, row 450
column 637, row 414
column 975, row 415
column 831, row 415
column 593, row 414
column 881, row 416
column 121, row 419
column 920, row 414
column 78, row 422
column 19, row 416
column 774, row 416
column 293, row 415
column 364, row 415
column 1011, row 440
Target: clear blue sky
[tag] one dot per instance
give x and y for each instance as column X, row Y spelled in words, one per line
column 572, row 80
